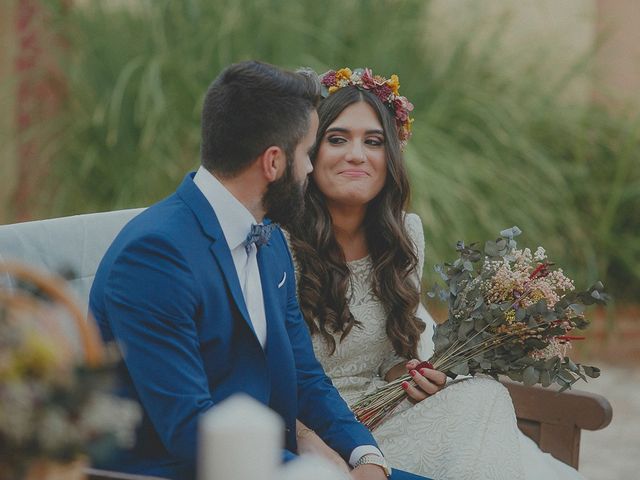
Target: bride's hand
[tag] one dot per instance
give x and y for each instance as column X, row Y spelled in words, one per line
column 428, row 381
column 310, row 442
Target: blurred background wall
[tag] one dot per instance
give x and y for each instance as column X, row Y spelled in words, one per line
column 565, row 32
column 8, row 42
column 526, row 110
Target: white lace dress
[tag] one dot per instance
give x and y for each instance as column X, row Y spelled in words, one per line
column 466, row 431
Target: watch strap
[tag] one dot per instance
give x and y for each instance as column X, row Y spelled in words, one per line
column 373, row 459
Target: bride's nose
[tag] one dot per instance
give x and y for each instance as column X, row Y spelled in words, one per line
column 356, row 153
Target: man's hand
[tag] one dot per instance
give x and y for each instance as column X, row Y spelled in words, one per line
column 310, row 442
column 368, row 472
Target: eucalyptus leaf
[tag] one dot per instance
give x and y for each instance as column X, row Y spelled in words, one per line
column 592, row 372
column 491, row 249
column 510, row 232
column 551, row 362
column 576, row 307
column 441, row 343
column 501, row 364
column 465, row 329
column 572, row 366
column 530, row 376
column 566, row 376
column 515, row 375
column 460, row 369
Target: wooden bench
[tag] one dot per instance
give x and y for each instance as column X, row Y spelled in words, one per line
column 553, row 420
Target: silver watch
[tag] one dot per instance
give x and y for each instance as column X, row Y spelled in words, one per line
column 373, row 459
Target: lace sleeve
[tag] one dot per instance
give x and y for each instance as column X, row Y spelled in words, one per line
column 413, row 224
column 414, row 227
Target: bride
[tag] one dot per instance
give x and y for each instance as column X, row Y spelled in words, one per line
column 359, row 260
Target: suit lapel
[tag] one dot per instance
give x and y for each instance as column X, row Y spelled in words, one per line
column 279, row 358
column 266, row 262
column 222, row 255
column 201, row 208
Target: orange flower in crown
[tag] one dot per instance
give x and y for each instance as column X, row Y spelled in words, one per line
column 387, row 90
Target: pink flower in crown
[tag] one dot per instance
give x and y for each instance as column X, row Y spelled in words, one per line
column 406, row 104
column 329, row 78
column 367, row 79
column 383, row 92
column 401, row 113
column 402, row 108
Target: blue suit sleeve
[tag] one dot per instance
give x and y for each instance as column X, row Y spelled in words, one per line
column 288, row 455
column 320, row 406
column 151, row 301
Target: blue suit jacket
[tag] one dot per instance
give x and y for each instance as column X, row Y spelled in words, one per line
column 167, row 291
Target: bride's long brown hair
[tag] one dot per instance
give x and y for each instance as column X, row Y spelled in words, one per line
column 324, row 275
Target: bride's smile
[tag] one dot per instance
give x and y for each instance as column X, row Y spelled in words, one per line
column 351, row 164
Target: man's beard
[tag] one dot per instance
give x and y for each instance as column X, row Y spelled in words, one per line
column 284, row 199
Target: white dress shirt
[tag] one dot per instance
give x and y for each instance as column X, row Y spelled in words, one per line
column 236, row 222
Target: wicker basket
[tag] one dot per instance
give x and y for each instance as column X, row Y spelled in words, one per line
column 17, row 302
column 54, row 287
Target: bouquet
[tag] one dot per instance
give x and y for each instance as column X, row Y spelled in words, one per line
column 54, row 403
column 510, row 312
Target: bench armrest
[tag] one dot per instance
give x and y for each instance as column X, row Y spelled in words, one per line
column 554, row 420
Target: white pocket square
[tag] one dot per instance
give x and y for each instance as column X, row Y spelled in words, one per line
column 284, row 278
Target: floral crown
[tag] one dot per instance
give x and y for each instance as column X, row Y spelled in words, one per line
column 387, row 90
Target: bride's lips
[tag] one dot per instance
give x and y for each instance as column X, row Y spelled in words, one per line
column 353, row 173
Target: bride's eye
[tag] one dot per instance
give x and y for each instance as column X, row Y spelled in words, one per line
column 375, row 141
column 335, row 139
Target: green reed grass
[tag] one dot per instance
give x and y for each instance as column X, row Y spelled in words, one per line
column 491, row 148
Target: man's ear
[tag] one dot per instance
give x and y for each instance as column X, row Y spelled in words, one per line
column 272, row 162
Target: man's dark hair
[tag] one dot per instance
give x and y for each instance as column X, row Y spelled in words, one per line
column 250, row 107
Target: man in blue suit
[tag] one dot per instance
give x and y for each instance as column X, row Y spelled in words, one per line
column 199, row 289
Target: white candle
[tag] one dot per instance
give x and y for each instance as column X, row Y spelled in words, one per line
column 311, row 467
column 239, row 439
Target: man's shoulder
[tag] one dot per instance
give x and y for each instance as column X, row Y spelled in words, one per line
column 168, row 223
column 168, row 218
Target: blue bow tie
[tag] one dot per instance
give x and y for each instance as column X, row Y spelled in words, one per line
column 259, row 235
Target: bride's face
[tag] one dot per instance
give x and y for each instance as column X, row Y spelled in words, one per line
column 351, row 167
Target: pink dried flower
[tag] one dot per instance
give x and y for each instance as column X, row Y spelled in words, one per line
column 329, row 78
column 367, row 79
column 383, row 92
